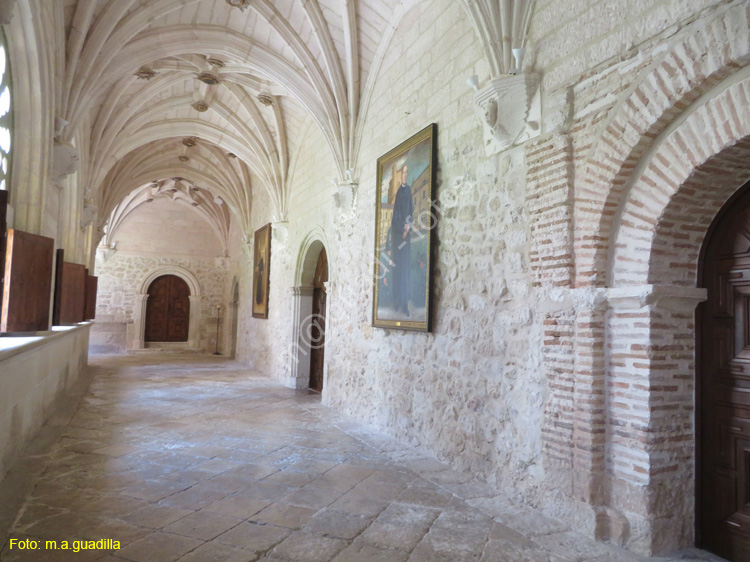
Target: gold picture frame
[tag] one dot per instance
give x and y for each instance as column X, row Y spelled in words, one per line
column 261, row 271
column 405, row 221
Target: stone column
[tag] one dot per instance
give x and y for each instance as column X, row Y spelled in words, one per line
column 650, row 412
column 194, row 336
column 299, row 347
column 139, row 322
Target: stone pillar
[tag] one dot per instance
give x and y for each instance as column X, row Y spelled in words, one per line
column 194, row 336
column 650, row 412
column 299, row 347
column 139, row 322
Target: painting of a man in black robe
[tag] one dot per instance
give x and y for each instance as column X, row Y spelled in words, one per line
column 261, row 263
column 405, row 220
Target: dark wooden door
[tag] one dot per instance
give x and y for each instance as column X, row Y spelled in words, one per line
column 168, row 310
column 318, row 327
column 724, row 387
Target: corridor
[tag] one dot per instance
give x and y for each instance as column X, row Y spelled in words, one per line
column 196, row 459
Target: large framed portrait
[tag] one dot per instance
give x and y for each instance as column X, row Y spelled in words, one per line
column 404, row 229
column 261, row 271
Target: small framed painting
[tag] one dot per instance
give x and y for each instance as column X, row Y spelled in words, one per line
column 261, row 271
column 405, row 221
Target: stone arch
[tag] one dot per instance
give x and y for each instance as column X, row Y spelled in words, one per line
column 139, row 307
column 674, row 192
column 684, row 181
column 673, row 82
column 302, row 293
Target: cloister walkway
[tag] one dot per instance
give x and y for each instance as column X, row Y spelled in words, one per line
column 196, row 458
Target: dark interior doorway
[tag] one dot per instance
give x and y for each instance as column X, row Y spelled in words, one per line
column 318, row 324
column 723, row 502
column 168, row 310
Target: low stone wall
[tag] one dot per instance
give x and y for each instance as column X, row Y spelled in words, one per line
column 32, row 376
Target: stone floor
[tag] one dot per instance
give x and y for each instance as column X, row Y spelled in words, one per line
column 196, row 459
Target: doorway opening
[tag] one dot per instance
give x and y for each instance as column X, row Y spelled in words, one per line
column 318, row 322
column 234, row 309
column 723, row 397
column 167, row 310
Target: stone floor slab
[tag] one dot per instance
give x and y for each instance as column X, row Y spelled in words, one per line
column 198, row 459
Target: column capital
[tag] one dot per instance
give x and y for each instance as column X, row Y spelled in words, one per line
column 657, row 296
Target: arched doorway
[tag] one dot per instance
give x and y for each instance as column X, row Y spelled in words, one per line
column 318, row 324
column 234, row 307
column 724, row 383
column 167, row 310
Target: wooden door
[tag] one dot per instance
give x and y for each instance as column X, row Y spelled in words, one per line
column 723, row 508
column 168, row 310
column 318, row 327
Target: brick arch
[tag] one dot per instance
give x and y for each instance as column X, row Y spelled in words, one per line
column 683, row 184
column 692, row 67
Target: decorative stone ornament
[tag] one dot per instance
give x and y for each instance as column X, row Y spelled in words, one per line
column 280, row 232
column 345, row 200
column 189, row 142
column 145, row 73
column 509, row 108
column 216, row 63
column 209, row 78
column 265, row 98
column 7, row 9
column 64, row 161
column 241, row 4
column 88, row 215
column 200, row 106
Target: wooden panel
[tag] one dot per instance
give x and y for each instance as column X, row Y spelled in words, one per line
column 57, row 302
column 73, row 297
column 92, row 284
column 3, row 229
column 28, row 282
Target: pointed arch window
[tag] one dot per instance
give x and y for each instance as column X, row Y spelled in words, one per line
column 6, row 114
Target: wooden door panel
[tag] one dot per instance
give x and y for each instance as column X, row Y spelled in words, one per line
column 724, row 388
column 168, row 310
column 72, row 293
column 28, row 282
column 318, row 326
column 92, row 284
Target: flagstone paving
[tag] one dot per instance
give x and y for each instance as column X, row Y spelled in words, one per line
column 198, row 459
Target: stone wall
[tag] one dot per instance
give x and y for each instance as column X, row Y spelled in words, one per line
column 161, row 237
column 517, row 382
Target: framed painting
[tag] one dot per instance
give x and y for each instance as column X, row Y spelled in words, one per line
column 404, row 229
column 261, row 271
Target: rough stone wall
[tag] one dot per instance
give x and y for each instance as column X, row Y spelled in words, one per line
column 521, row 381
column 164, row 234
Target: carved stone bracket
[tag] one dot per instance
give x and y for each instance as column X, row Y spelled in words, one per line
column 280, row 232
column 510, row 109
column 64, row 161
column 7, row 9
column 88, row 215
column 345, row 200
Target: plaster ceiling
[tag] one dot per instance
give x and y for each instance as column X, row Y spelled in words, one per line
column 132, row 90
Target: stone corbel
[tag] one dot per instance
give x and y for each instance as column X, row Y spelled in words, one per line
column 64, row 161
column 280, row 232
column 106, row 252
column 509, row 108
column 345, row 198
column 88, row 215
column 7, row 9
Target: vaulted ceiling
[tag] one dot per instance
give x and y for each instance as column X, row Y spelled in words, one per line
column 142, row 76
column 244, row 78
